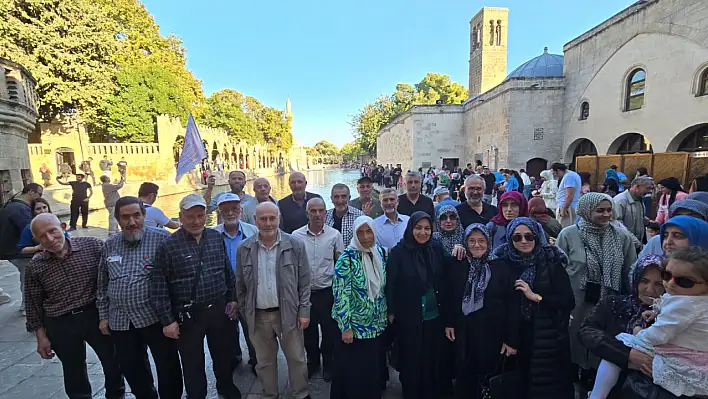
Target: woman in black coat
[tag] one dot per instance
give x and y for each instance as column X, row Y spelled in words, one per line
column 413, row 292
column 544, row 350
column 482, row 312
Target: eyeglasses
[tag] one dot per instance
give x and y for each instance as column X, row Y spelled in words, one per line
column 526, row 236
column 683, row 282
column 475, row 188
column 452, row 217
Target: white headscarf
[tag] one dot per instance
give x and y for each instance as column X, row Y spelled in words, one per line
column 371, row 261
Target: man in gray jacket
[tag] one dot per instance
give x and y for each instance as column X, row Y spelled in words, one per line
column 628, row 208
column 273, row 294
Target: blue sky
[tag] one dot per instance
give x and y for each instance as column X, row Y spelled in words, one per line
column 332, row 57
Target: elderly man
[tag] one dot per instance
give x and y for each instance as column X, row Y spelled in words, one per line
column 442, row 197
column 292, row 207
column 342, row 216
column 261, row 189
column 413, row 200
column 273, row 290
column 60, row 299
column 237, row 181
column 110, row 197
column 234, row 232
column 366, row 202
column 390, row 226
column 628, row 207
column 192, row 288
column 323, row 245
column 474, row 210
column 125, row 308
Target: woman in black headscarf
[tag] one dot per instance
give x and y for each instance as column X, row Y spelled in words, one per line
column 415, row 280
column 544, row 350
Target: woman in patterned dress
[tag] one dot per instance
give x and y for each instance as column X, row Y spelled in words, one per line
column 360, row 312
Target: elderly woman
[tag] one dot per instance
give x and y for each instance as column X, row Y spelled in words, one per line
column 512, row 204
column 415, row 282
column 544, row 350
column 539, row 212
column 671, row 191
column 360, row 312
column 620, row 314
column 449, row 231
column 601, row 254
column 687, row 207
column 549, row 189
column 482, row 312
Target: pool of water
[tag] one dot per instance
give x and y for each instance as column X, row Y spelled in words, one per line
column 320, row 182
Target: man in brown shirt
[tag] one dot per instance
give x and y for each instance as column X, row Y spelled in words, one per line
column 60, row 292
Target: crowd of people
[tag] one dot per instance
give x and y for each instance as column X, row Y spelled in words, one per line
column 502, row 286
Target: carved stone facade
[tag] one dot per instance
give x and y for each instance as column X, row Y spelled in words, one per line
column 637, row 82
column 18, row 115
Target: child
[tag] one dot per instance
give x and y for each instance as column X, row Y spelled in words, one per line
column 677, row 340
column 652, row 230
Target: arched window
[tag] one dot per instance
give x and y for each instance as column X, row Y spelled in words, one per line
column 635, row 90
column 703, row 84
column 584, row 110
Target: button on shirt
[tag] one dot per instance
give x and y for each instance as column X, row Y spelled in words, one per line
column 176, row 262
column 570, row 179
column 267, row 289
column 321, row 248
column 54, row 287
column 124, row 280
column 347, row 222
column 388, row 233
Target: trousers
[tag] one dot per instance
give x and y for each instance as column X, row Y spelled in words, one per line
column 112, row 221
column 321, row 318
column 76, row 207
column 235, row 343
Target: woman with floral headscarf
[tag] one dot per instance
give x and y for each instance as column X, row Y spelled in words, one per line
column 512, row 204
column 620, row 314
column 482, row 312
column 600, row 255
column 448, row 228
column 544, row 350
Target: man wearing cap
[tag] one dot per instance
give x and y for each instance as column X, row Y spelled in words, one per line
column 366, row 202
column 234, row 231
column 192, row 288
column 81, row 191
column 237, row 181
column 442, row 197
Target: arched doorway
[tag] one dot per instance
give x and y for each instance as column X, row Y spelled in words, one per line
column 214, row 152
column 177, row 148
column 65, row 155
column 631, row 143
column 581, row 147
column 535, row 166
column 692, row 139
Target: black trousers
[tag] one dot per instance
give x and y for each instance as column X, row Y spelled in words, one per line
column 210, row 323
column 357, row 370
column 76, row 207
column 69, row 335
column 419, row 362
column 235, row 343
column 321, row 317
column 131, row 347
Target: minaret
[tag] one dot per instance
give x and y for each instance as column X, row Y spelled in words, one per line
column 488, row 51
column 288, row 110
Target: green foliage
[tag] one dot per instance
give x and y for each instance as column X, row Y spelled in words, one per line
column 369, row 120
column 326, row 148
column 351, row 152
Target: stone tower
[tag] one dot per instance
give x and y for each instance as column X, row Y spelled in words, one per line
column 488, row 51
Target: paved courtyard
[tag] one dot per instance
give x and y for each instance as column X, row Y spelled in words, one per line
column 24, row 375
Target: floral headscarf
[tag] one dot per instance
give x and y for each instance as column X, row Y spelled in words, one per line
column 448, row 239
column 479, row 274
column 631, row 305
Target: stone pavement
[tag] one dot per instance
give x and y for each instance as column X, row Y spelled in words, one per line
column 24, row 375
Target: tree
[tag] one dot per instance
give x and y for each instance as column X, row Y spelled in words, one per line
column 225, row 110
column 351, row 152
column 326, row 148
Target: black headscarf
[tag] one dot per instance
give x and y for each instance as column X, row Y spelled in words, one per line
column 421, row 254
column 672, row 184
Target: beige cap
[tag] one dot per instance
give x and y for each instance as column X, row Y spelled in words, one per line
column 192, row 200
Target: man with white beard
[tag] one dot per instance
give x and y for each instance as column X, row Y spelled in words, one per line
column 124, row 305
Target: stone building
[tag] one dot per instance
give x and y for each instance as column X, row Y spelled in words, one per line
column 636, row 83
column 18, row 115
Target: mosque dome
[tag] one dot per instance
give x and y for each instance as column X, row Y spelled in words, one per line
column 544, row 66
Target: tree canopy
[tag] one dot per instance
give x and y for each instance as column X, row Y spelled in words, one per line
column 370, row 118
column 108, row 60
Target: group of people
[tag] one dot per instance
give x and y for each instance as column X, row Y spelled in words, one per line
column 454, row 295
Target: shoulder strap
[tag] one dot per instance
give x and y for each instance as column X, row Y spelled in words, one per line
column 197, row 277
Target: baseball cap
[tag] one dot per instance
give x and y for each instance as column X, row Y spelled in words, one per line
column 440, row 190
column 228, row 197
column 192, row 200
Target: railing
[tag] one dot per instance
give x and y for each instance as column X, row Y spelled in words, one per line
column 35, row 149
column 123, row 149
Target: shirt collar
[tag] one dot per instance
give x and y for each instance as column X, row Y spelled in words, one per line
column 260, row 243
column 222, row 230
column 387, row 220
column 324, row 227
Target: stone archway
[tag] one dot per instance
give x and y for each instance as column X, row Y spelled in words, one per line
column 691, row 139
column 579, row 147
column 630, row 143
column 177, row 148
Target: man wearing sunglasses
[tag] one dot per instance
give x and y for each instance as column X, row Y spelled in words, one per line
column 14, row 217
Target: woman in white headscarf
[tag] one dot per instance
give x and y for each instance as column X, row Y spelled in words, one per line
column 549, row 189
column 360, row 312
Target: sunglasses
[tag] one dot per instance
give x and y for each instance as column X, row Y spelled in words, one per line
column 526, row 236
column 444, row 218
column 683, row 282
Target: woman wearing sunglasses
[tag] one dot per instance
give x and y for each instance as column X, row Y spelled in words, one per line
column 512, row 204
column 544, row 348
column 601, row 254
column 677, row 340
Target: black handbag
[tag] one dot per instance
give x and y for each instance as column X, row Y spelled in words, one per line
column 502, row 383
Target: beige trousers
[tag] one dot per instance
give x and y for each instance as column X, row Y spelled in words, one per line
column 112, row 222
column 569, row 219
column 268, row 331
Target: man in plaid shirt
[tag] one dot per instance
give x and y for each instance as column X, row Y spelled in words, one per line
column 124, row 305
column 343, row 215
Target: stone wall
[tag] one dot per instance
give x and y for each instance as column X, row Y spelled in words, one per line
column 669, row 40
column 437, row 135
column 394, row 142
column 486, row 127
